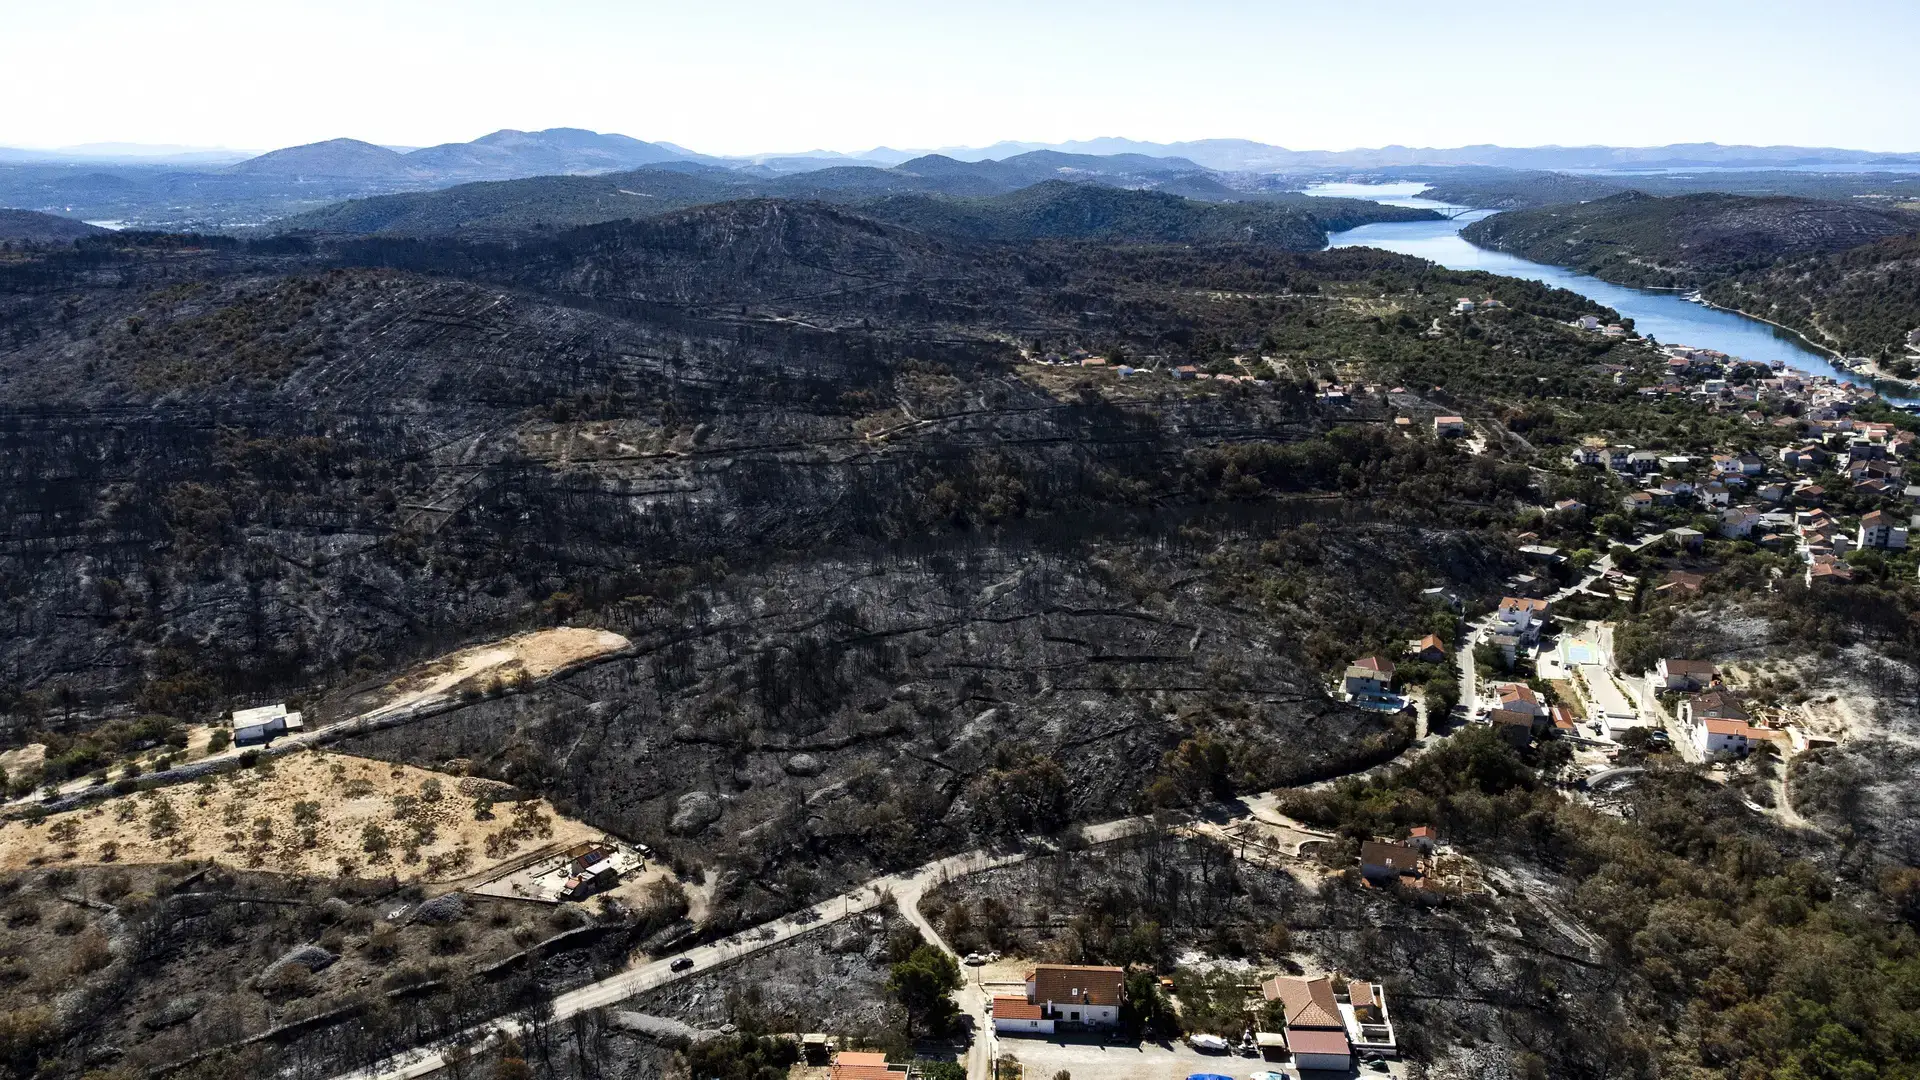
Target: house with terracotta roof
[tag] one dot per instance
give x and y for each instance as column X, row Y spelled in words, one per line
column 1369, row 677
column 1382, row 863
column 1520, row 698
column 1521, row 616
column 1316, row 1033
column 1686, row 674
column 1681, row 581
column 1719, row 704
column 1018, row 1016
column 1880, row 529
column 1449, row 425
column 1827, row 570
column 864, row 1065
column 1514, row 726
column 1423, row 838
column 1063, row 996
column 1429, row 649
column 1719, row 724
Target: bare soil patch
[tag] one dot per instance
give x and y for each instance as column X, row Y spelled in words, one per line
column 524, row 656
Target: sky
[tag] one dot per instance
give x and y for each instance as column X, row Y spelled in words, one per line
column 755, row 77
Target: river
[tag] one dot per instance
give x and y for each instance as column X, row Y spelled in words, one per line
column 1662, row 315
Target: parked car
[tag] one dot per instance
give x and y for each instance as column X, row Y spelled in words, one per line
column 681, row 964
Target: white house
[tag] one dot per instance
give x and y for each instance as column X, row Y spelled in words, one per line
column 1517, row 697
column 1686, row 674
column 1521, row 616
column 1449, row 425
column 1018, row 1016
column 1878, row 530
column 1369, row 677
column 1075, row 995
column 1316, row 1029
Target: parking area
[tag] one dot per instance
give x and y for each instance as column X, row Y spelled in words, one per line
column 1091, row 1059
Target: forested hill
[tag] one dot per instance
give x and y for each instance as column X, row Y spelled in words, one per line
column 1685, row 240
column 1862, row 302
column 1061, row 210
column 33, row 227
column 1050, row 210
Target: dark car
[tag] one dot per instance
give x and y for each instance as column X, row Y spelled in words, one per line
column 681, row 964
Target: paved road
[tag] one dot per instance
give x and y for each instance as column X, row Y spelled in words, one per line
column 905, row 889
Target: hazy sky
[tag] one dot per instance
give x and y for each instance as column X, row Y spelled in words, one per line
column 754, row 77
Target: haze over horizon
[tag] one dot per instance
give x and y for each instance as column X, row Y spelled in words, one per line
column 760, row 78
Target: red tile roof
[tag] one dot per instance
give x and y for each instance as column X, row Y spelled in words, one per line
column 1316, row 1041
column 1512, row 717
column 1077, row 983
column 1013, row 1008
column 1517, row 692
column 863, row 1065
column 1306, row 1003
column 1398, row 858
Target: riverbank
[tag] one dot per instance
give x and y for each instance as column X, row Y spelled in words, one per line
column 1661, row 314
column 1858, row 365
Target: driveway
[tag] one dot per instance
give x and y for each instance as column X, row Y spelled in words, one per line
column 1087, row 1059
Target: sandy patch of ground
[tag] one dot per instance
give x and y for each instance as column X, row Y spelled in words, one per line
column 523, row 656
column 25, row 759
column 307, row 813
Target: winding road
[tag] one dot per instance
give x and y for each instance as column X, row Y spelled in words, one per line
column 905, row 890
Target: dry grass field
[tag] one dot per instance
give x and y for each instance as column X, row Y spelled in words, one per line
column 309, row 813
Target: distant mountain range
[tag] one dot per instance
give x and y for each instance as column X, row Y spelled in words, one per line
column 1244, row 155
column 503, row 155
column 173, row 187
column 509, row 154
column 1064, row 194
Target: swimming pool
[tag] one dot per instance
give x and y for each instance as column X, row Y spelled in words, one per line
column 1579, row 652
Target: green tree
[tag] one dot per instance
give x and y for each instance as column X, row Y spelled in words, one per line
column 1147, row 1010
column 923, row 985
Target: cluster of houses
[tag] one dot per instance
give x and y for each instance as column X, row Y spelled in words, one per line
column 1467, row 306
column 1155, row 364
column 1730, row 384
column 1712, row 715
column 1781, row 507
column 1519, row 713
column 1324, row 1021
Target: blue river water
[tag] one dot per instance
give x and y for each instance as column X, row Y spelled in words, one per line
column 1662, row 315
